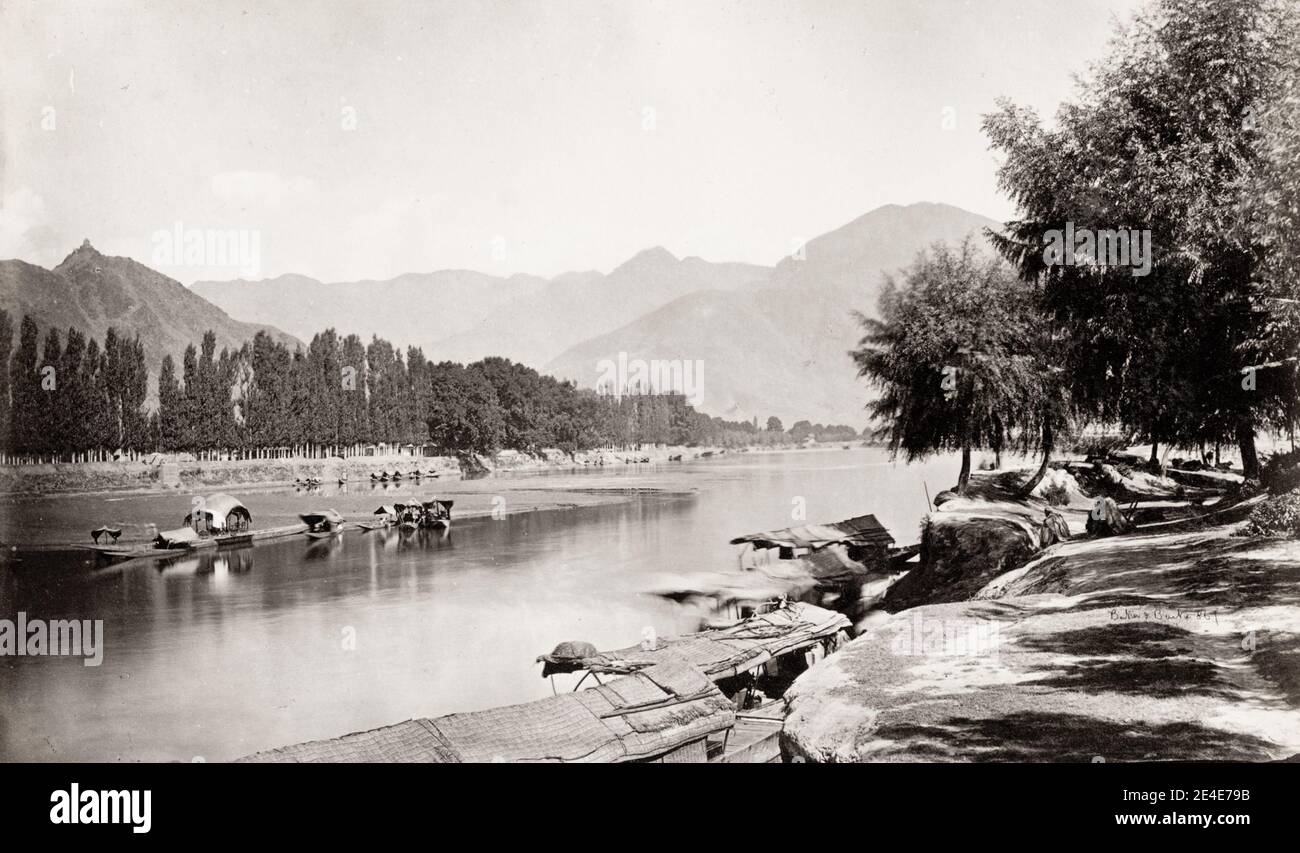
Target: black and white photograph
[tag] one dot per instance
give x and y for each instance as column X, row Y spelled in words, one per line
column 871, row 382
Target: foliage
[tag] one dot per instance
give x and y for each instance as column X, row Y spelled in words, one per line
column 336, row 393
column 1281, row 472
column 961, row 359
column 1277, row 516
column 1184, row 129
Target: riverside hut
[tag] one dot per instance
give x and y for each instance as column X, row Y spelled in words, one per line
column 664, row 713
column 219, row 513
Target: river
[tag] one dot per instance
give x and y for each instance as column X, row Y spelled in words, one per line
column 216, row 656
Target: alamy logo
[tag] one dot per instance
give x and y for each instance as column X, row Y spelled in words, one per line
column 657, row 376
column 945, row 637
column 1118, row 247
column 36, row 637
column 236, row 248
column 90, row 806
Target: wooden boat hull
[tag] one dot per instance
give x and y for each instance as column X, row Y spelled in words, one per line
column 323, row 534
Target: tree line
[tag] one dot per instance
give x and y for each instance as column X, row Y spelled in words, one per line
column 64, row 397
column 1188, row 133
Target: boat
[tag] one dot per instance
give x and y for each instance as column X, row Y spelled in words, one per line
column 324, row 534
column 122, row 553
column 752, row 662
column 712, row 696
column 863, row 539
column 112, row 532
column 437, row 514
column 384, row 517
column 665, row 713
column 846, row 565
column 323, row 523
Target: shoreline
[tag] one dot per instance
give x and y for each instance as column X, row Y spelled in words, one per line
column 141, row 478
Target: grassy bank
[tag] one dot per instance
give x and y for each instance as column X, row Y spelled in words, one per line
column 1177, row 641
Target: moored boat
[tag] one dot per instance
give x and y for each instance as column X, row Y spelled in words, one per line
column 323, row 523
column 437, row 514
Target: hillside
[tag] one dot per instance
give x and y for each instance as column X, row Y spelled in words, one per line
column 464, row 316
column 92, row 292
column 780, row 346
column 412, row 309
column 576, row 307
column 773, row 340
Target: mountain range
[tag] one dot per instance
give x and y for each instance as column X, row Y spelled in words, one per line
column 91, row 292
column 768, row 340
column 780, row 345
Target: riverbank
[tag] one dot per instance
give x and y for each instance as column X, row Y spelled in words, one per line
column 1180, row 641
column 164, row 473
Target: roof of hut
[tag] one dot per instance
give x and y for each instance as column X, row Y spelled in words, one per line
column 321, row 515
column 221, row 505
column 651, row 713
column 722, row 652
column 179, row 536
column 860, row 530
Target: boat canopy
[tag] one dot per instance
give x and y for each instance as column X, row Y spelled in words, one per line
column 222, row 512
column 720, row 652
column 662, row 711
column 862, row 530
column 388, row 509
column 324, row 516
column 179, row 538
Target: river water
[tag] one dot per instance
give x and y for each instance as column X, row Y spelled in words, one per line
column 216, row 656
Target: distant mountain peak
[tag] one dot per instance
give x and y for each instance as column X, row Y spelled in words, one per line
column 656, row 256
column 85, row 250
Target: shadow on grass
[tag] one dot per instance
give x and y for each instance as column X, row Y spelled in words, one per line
column 1160, row 679
column 1135, row 639
column 1221, row 581
column 1278, row 660
column 1036, row 736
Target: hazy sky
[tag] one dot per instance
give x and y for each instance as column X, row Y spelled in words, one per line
column 368, row 139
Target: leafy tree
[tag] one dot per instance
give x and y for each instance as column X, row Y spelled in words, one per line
column 6, row 410
column 950, row 354
column 465, row 415
column 171, row 403
column 1164, row 136
column 25, row 380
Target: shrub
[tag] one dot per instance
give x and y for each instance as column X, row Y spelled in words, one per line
column 1056, row 494
column 1277, row 516
column 1281, row 472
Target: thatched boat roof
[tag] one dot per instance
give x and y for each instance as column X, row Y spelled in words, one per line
column 218, row 507
column 178, row 538
column 860, row 530
column 721, row 652
column 321, row 516
column 653, row 713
